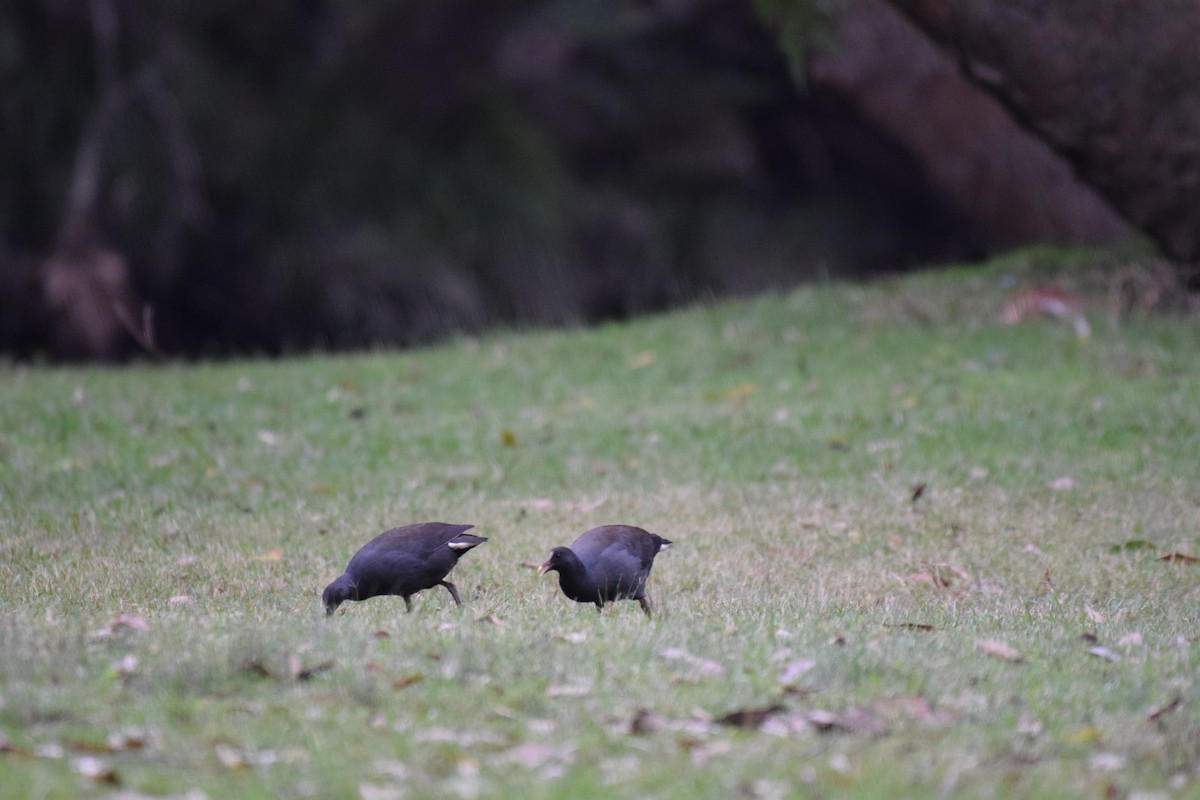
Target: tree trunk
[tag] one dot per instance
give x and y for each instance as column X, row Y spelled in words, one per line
column 1114, row 85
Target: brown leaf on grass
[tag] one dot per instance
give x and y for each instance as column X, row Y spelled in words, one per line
column 942, row 576
column 381, row 634
column 84, row 746
column 308, row 673
column 407, row 681
column 1181, row 558
column 97, row 770
column 1160, row 712
column 508, row 438
column 749, row 717
column 1000, row 650
column 852, row 721
column 120, row 624
column 255, row 666
column 701, row 667
column 913, row 626
column 646, row 722
column 795, row 670
column 916, row 492
column 270, row 555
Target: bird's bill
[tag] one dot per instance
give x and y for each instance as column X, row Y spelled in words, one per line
column 543, row 569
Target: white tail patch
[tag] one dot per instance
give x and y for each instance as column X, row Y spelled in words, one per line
column 664, row 546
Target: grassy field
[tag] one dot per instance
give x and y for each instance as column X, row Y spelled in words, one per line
column 1013, row 631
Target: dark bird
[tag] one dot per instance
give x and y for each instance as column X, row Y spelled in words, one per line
column 606, row 564
column 403, row 561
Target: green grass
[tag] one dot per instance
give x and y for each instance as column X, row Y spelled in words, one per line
column 776, row 440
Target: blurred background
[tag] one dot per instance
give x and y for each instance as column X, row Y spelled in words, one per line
column 203, row 180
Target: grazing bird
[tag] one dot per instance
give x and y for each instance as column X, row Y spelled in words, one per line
column 606, row 564
column 403, row 561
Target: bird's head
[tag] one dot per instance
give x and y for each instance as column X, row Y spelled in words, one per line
column 338, row 592
column 555, row 561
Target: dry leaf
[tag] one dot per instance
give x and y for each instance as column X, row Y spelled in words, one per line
column 407, row 680
column 97, row 770
column 307, row 673
column 1163, row 710
column 916, row 492
column 645, row 722
column 913, row 626
column 749, row 717
column 1182, row 558
column 381, row 634
column 270, row 555
column 796, row 670
column 508, row 438
column 1104, row 653
column 1000, row 650
column 1092, row 614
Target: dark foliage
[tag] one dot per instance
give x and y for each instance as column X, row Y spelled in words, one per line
column 353, row 174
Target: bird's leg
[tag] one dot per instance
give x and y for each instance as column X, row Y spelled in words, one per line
column 407, row 604
column 453, row 591
column 645, row 604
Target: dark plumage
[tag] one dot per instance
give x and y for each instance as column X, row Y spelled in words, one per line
column 606, row 564
column 403, row 561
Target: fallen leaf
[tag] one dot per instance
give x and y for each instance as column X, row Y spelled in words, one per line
column 702, row 667
column 231, row 757
column 1000, row 650
column 796, row 670
column 119, row 623
column 916, row 492
column 1180, row 557
column 307, row 673
column 97, row 770
column 1163, row 710
column 257, row 667
column 270, row 555
column 381, row 634
column 749, row 717
column 1104, row 653
column 508, row 438
column 861, row 721
column 645, row 722
column 1092, row 614
column 407, row 680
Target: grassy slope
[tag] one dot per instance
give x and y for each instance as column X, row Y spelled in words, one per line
column 776, row 441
